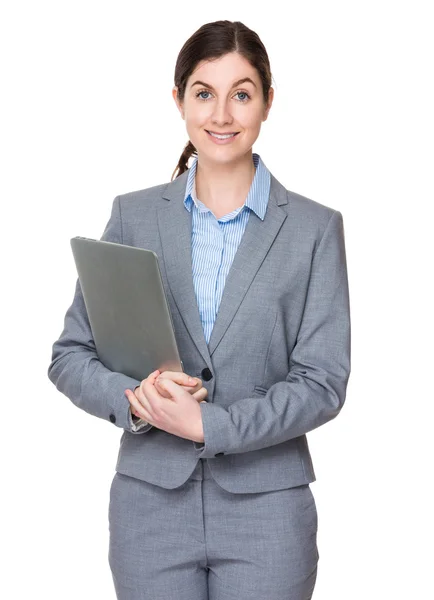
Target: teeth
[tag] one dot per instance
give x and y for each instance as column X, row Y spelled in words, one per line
column 222, row 137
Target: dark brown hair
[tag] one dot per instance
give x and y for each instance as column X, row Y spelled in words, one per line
column 212, row 41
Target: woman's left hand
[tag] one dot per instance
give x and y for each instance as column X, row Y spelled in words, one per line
column 180, row 415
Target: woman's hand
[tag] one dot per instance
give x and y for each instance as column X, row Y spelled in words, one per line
column 192, row 385
column 170, row 403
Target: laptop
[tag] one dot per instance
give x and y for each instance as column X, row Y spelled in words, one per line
column 127, row 307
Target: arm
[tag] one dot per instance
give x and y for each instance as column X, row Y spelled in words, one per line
column 75, row 368
column 314, row 390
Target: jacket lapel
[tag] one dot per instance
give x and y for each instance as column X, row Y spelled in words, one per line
column 175, row 223
column 254, row 246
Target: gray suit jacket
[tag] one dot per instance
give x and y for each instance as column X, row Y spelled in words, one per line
column 278, row 361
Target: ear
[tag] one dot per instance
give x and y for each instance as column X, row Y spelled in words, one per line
column 270, row 102
column 177, row 102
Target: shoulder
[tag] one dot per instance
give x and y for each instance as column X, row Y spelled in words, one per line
column 139, row 198
column 303, row 211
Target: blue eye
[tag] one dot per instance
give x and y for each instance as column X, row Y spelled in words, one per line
column 199, row 95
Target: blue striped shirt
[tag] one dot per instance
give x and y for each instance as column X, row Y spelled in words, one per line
column 215, row 241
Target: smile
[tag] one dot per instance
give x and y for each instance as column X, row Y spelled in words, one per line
column 222, row 138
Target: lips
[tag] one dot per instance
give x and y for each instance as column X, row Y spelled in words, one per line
column 226, row 133
column 232, row 133
column 222, row 139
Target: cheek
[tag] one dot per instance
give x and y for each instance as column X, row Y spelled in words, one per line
column 249, row 120
column 198, row 116
column 192, row 126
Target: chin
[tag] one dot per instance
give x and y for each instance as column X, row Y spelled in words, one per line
column 222, row 157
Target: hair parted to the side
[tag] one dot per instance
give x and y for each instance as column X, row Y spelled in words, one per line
column 211, row 41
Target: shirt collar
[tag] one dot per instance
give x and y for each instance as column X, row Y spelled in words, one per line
column 257, row 198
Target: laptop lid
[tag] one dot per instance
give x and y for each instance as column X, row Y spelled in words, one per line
column 127, row 307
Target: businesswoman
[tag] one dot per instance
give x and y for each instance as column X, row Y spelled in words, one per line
column 211, row 496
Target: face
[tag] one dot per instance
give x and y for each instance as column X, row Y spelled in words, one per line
column 216, row 100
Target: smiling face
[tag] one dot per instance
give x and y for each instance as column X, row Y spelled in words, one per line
column 224, row 96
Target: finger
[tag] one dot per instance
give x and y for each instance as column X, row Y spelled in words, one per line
column 190, row 389
column 151, row 378
column 201, row 394
column 196, row 382
column 137, row 408
column 180, row 378
column 134, row 412
column 166, row 394
column 154, row 399
column 195, row 388
column 174, row 390
column 142, row 394
column 160, row 390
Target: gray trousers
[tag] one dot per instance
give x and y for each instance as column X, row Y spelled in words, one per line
column 200, row 542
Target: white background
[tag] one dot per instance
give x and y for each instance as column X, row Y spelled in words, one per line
column 87, row 114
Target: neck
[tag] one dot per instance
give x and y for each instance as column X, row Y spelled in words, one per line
column 224, row 186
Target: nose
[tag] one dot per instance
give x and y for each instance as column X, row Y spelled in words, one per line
column 221, row 115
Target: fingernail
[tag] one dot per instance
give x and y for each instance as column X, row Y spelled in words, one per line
column 190, row 380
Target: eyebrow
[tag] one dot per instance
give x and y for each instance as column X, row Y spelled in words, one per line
column 239, row 82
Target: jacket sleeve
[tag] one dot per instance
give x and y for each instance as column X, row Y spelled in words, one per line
column 75, row 368
column 314, row 390
column 136, row 422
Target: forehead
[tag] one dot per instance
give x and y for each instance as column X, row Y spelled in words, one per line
column 224, row 71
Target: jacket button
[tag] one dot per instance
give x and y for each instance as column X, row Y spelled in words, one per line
column 220, row 454
column 206, row 374
column 112, row 418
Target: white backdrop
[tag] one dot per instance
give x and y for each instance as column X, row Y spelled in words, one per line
column 87, row 114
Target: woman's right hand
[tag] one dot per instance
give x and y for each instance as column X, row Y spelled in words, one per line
column 193, row 385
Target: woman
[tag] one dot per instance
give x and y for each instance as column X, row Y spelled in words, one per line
column 211, row 499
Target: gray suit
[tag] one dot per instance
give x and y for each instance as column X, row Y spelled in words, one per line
column 232, row 518
column 277, row 363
